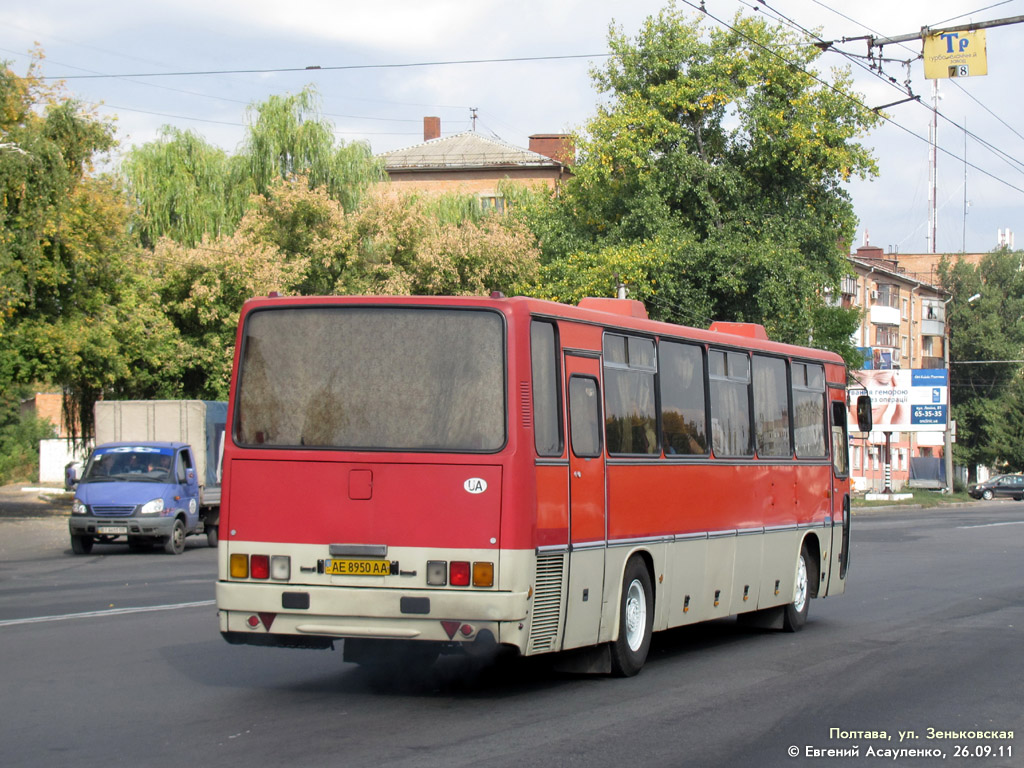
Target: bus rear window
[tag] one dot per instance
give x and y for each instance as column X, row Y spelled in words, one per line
column 372, row 378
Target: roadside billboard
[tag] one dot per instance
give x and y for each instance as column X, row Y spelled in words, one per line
column 906, row 399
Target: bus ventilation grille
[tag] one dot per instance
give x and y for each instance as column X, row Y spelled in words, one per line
column 547, row 603
column 526, row 404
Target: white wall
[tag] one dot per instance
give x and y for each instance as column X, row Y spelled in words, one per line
column 54, row 454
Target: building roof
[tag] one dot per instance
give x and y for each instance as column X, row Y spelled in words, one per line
column 467, row 150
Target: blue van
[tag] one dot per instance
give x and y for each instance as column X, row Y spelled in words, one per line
column 139, row 493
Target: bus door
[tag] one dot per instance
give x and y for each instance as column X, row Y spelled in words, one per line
column 839, row 552
column 587, row 529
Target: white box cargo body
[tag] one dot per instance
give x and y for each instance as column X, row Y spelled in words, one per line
column 200, row 423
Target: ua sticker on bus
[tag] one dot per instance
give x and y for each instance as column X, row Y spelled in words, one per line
column 475, row 485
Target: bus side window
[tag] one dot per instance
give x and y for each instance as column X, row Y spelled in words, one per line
column 547, row 411
column 584, row 417
column 683, row 420
column 840, row 440
column 809, row 410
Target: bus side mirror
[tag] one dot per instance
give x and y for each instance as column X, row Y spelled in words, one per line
column 864, row 413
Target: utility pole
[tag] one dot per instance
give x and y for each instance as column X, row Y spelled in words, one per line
column 933, row 171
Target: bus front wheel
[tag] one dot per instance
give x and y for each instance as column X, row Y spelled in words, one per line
column 636, row 616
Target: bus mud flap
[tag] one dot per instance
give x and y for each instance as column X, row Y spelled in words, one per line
column 766, row 618
column 585, row 661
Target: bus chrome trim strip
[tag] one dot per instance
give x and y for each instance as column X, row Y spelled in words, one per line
column 721, row 534
column 586, row 545
column 780, row 528
column 690, row 536
column 551, row 462
column 749, row 531
column 359, row 550
column 667, row 538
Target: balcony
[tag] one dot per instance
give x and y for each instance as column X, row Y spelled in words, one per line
column 933, row 362
column 883, row 315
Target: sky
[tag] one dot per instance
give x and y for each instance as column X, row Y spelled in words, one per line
column 197, row 65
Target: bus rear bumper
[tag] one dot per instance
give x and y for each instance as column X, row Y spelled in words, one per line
column 448, row 616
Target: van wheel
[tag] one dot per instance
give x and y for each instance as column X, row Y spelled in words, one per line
column 81, row 545
column 175, row 543
column 795, row 615
column 636, row 617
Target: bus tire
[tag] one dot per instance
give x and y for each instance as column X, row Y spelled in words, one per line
column 636, row 617
column 795, row 615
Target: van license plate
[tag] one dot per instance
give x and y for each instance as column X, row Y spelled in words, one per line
column 116, row 530
column 357, row 567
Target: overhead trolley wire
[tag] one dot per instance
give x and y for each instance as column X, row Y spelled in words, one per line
column 828, row 85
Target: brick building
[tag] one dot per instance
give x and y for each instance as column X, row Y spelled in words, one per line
column 470, row 163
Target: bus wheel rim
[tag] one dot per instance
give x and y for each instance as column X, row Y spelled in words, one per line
column 800, row 597
column 636, row 615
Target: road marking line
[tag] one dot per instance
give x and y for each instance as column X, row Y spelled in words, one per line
column 108, row 612
column 989, row 525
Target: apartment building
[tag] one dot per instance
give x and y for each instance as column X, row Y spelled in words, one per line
column 903, row 327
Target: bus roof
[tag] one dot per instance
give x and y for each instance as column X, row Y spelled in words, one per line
column 609, row 313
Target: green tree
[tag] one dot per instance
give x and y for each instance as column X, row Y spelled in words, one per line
column 185, row 188
column 984, row 332
column 65, row 253
column 19, row 439
column 202, row 290
column 288, row 138
column 724, row 153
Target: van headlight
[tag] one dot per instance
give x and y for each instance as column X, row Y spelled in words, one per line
column 78, row 508
column 154, row 507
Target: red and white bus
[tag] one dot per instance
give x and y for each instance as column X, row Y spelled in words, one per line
column 419, row 475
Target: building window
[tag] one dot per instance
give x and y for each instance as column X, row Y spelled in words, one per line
column 492, row 203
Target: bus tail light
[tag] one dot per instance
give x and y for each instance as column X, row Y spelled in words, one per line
column 259, row 566
column 459, row 574
column 437, row 573
column 280, row 567
column 483, row 574
column 239, row 566
column 277, row 567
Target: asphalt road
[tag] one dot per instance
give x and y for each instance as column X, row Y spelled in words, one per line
column 115, row 659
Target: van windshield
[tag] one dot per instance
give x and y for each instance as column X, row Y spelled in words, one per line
column 129, row 464
column 372, row 378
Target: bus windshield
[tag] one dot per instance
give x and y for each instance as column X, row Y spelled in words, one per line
column 372, row 378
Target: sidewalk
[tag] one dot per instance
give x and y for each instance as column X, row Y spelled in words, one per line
column 26, row 500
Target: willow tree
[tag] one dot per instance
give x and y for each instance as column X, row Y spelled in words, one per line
column 185, row 188
column 288, row 138
column 724, row 154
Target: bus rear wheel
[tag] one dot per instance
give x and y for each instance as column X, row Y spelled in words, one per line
column 795, row 615
column 636, row 617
